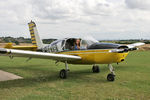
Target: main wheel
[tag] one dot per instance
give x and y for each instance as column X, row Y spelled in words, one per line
column 110, row 77
column 63, row 74
column 96, row 69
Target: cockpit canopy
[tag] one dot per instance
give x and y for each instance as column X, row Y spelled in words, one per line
column 68, row 44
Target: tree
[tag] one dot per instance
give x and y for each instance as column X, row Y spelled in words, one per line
column 17, row 43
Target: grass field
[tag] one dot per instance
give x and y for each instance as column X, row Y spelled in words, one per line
column 41, row 81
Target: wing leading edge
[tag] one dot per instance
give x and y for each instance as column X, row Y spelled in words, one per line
column 42, row 55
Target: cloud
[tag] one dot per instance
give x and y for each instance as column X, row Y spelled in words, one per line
column 61, row 18
column 138, row 4
column 70, row 10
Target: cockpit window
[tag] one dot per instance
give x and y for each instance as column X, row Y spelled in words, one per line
column 69, row 44
column 63, row 42
column 75, row 44
column 56, row 46
column 55, row 42
column 84, row 44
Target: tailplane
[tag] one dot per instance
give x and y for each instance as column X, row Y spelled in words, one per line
column 34, row 35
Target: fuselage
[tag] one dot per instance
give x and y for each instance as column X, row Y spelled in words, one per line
column 97, row 56
column 92, row 53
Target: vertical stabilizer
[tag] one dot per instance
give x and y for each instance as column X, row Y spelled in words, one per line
column 34, row 35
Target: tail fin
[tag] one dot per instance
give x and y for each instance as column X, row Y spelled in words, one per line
column 34, row 35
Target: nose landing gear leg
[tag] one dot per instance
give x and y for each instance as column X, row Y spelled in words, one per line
column 111, row 76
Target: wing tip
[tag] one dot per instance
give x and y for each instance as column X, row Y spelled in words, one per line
column 3, row 51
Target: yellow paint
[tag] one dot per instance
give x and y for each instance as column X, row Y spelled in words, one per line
column 8, row 45
column 31, row 31
column 32, row 38
column 31, row 25
column 32, row 35
column 30, row 48
column 30, row 28
column 33, row 41
column 96, row 56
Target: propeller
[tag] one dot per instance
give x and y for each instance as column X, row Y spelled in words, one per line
column 131, row 47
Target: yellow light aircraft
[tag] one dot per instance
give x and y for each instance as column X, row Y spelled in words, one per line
column 73, row 51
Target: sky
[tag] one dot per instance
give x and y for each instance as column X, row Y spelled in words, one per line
column 101, row 19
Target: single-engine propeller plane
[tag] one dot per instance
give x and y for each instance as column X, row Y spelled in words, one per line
column 72, row 51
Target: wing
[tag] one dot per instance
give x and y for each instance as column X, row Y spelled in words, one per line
column 130, row 47
column 42, row 55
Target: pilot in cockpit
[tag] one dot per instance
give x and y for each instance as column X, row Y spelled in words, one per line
column 77, row 44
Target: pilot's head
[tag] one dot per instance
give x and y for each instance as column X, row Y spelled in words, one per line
column 77, row 42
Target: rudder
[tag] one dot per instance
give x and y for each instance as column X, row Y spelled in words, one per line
column 34, row 35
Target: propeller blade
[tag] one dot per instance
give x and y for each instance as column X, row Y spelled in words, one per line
column 135, row 45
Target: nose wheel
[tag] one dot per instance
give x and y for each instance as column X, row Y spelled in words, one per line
column 111, row 76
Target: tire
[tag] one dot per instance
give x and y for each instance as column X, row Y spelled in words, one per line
column 63, row 74
column 110, row 77
column 96, row 69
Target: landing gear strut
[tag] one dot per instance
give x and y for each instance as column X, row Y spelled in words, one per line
column 63, row 72
column 95, row 69
column 111, row 76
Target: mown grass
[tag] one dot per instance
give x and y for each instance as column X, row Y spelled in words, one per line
column 41, row 81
